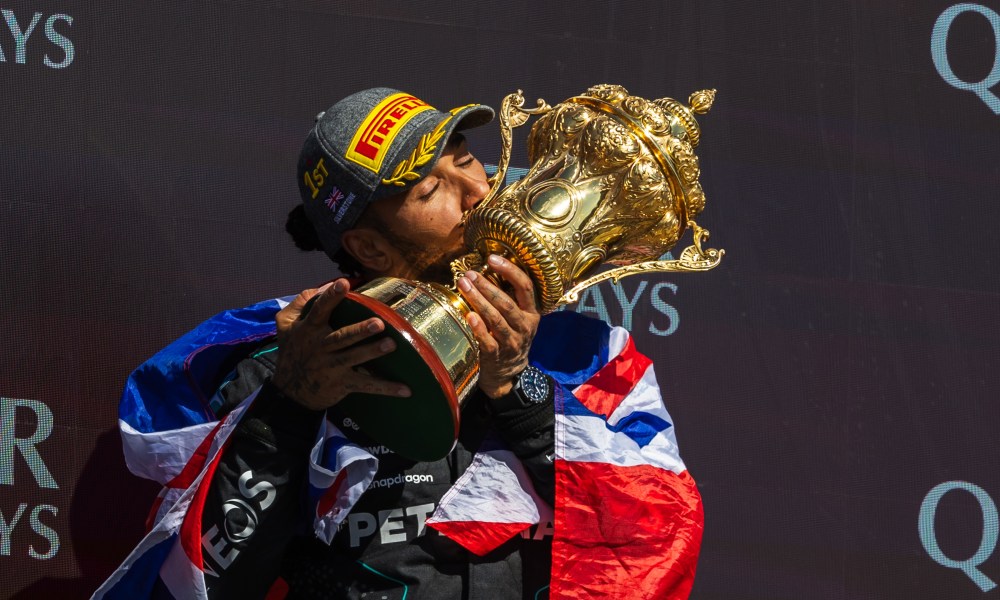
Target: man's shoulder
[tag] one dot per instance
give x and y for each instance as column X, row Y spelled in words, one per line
column 226, row 327
column 176, row 384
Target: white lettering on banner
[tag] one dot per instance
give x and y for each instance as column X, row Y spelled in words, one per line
column 391, row 524
column 21, row 31
column 27, row 448
column 987, row 543
column 592, row 300
column 7, row 527
column 939, row 53
column 45, row 531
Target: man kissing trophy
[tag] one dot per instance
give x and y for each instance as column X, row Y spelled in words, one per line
column 613, row 180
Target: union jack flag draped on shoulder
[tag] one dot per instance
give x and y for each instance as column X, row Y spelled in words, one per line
column 628, row 517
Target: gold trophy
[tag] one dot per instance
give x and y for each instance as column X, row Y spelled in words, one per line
column 613, row 180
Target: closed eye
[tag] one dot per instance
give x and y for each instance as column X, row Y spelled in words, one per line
column 427, row 196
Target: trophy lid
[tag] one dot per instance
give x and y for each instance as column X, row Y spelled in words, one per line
column 700, row 103
column 669, row 129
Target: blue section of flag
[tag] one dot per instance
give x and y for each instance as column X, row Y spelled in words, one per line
column 172, row 389
column 328, row 460
column 640, row 426
column 139, row 580
column 331, row 447
column 570, row 347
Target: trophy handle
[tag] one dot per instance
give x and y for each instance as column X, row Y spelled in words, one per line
column 511, row 115
column 692, row 259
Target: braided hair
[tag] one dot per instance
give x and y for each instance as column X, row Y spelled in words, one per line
column 306, row 239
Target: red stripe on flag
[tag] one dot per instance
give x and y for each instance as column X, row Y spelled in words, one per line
column 190, row 531
column 606, row 389
column 196, row 463
column 479, row 537
column 329, row 498
column 624, row 532
column 151, row 517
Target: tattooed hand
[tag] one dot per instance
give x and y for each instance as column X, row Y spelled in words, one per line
column 316, row 365
column 504, row 327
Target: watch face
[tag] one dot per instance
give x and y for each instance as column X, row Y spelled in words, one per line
column 534, row 384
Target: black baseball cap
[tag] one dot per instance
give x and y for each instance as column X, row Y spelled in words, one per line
column 372, row 144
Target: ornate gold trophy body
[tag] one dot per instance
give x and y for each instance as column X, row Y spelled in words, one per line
column 613, row 179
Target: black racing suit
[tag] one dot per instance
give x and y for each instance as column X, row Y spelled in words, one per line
column 257, row 529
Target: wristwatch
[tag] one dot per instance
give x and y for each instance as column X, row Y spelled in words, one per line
column 532, row 386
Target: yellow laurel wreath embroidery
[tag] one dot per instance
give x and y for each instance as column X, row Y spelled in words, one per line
column 406, row 170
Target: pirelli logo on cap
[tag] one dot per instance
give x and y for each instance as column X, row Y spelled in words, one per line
column 372, row 140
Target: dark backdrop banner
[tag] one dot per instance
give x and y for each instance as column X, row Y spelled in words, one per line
column 835, row 383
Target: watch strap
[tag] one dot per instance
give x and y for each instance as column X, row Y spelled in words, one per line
column 520, row 397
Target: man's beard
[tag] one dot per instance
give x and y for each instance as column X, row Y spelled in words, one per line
column 428, row 264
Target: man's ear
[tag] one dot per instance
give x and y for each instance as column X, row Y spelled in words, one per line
column 369, row 248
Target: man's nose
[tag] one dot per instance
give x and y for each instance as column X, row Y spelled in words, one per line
column 474, row 190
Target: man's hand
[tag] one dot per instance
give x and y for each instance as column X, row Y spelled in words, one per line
column 504, row 327
column 316, row 365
